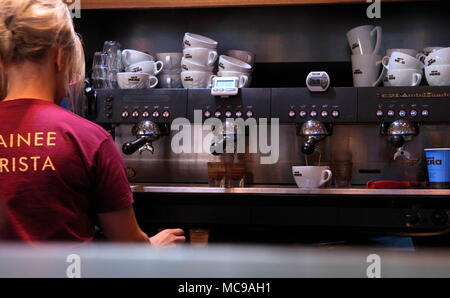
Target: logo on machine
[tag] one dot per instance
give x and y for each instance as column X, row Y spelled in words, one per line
column 431, row 161
column 186, row 42
column 357, row 72
column 184, row 67
column 435, row 73
column 432, row 61
column 297, row 174
column 188, row 56
column 355, row 45
column 221, row 66
column 188, row 79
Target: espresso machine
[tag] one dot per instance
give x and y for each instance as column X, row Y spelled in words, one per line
column 384, row 129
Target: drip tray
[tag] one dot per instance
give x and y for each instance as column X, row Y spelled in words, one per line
column 288, row 190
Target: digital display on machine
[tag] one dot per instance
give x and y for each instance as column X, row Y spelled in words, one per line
column 221, row 83
column 315, row 82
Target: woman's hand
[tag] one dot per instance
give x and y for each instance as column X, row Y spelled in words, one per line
column 168, row 237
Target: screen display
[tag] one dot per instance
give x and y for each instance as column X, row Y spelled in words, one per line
column 222, row 83
column 314, row 82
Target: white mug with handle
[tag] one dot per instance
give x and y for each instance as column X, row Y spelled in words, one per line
column 365, row 40
column 404, row 77
column 132, row 56
column 242, row 77
column 366, row 70
column 150, row 67
column 311, row 176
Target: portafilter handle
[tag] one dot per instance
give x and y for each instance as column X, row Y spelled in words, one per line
column 133, row 146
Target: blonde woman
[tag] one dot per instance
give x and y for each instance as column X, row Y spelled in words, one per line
column 59, row 173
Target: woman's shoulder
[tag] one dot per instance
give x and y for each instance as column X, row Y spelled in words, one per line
column 82, row 127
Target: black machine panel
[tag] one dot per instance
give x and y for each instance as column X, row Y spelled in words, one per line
column 294, row 105
column 132, row 106
column 249, row 103
column 416, row 104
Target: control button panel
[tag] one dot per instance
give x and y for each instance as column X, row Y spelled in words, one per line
column 131, row 106
column 335, row 105
column 248, row 103
column 417, row 104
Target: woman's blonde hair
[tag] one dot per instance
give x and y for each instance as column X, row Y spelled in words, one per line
column 30, row 28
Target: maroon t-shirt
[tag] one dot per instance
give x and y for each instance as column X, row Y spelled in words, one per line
column 57, row 171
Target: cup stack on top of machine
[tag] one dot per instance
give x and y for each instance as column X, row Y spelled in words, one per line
column 403, row 68
column 437, row 67
column 365, row 42
column 199, row 58
column 396, row 80
column 140, row 70
column 170, row 76
column 239, row 64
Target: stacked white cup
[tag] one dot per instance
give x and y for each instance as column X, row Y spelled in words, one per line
column 140, row 70
column 437, row 67
column 170, row 76
column 365, row 42
column 198, row 62
column 238, row 64
column 403, row 69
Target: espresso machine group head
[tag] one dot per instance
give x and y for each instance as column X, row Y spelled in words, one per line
column 399, row 132
column 313, row 131
column 228, row 134
column 146, row 132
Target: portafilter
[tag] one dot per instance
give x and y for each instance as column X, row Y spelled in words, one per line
column 313, row 131
column 146, row 132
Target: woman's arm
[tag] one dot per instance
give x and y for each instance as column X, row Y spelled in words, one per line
column 121, row 226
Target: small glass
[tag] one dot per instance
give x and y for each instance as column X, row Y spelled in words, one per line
column 216, row 174
column 100, row 60
column 342, row 173
column 235, row 174
column 199, row 237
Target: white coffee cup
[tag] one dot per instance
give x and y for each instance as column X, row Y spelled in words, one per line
column 150, row 67
column 171, row 60
column 227, row 63
column 439, row 57
column 366, row 70
column 132, row 56
column 196, row 79
column 401, row 61
column 189, row 65
column 410, row 52
column 244, row 78
column 203, row 56
column 169, row 81
column 246, row 56
column 438, row 75
column 311, row 176
column 404, row 77
column 133, row 80
column 365, row 40
column 428, row 50
column 192, row 40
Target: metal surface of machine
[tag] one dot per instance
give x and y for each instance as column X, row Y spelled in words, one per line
column 418, row 117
